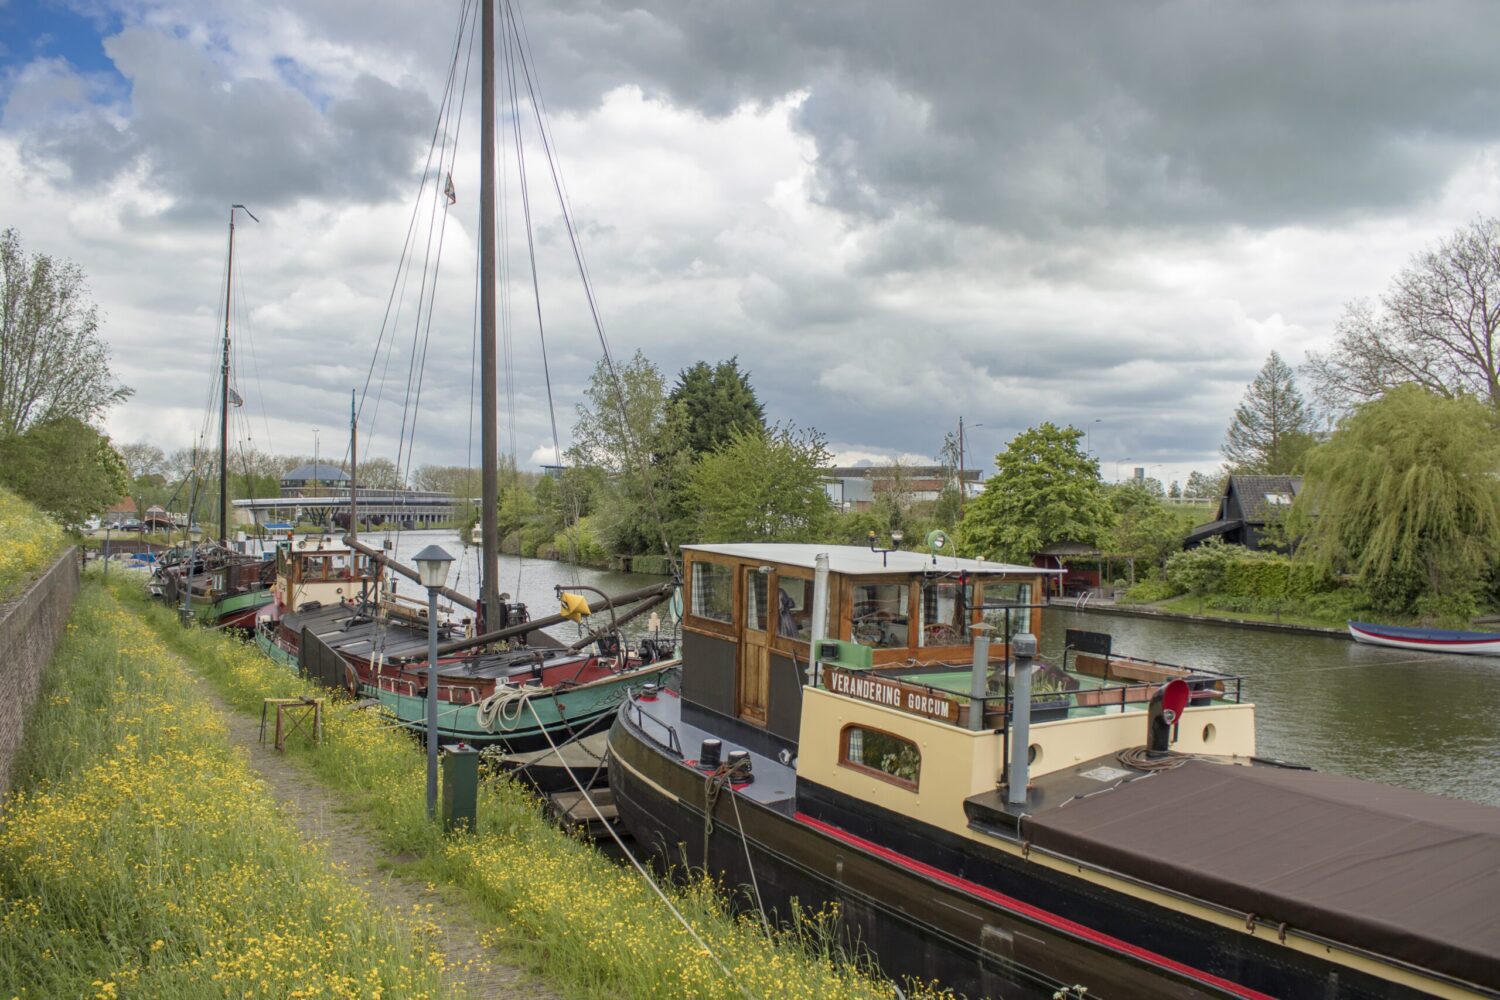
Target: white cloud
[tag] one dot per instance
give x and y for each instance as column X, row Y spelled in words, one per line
column 885, row 245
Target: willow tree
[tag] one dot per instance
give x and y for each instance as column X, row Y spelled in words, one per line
column 1405, row 496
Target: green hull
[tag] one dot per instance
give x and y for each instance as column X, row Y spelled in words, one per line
column 219, row 610
column 275, row 652
column 562, row 714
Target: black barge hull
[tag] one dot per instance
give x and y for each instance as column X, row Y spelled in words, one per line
column 931, row 906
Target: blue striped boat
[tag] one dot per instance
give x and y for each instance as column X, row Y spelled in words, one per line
column 1431, row 640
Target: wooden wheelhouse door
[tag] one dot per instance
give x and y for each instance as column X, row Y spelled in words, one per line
column 754, row 658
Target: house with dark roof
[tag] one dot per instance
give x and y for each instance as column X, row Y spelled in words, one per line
column 1250, row 505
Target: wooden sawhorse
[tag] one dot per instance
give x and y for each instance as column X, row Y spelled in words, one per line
column 299, row 710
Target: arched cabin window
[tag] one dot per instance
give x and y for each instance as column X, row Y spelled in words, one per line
column 881, row 755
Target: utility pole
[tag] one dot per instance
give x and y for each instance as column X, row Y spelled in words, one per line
column 962, row 488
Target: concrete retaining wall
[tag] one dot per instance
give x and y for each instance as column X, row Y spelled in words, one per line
column 31, row 626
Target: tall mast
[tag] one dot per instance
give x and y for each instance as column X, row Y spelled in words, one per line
column 224, row 398
column 224, row 387
column 489, row 566
column 353, row 470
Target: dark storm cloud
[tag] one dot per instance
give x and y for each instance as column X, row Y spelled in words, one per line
column 1035, row 117
column 202, row 136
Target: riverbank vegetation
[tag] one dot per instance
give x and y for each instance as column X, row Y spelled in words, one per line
column 141, row 856
column 32, row 541
column 587, row 923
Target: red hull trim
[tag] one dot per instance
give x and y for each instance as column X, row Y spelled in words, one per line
column 1032, row 912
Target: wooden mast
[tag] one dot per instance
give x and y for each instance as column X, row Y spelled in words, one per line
column 489, row 407
column 224, row 387
column 224, row 397
column 353, row 469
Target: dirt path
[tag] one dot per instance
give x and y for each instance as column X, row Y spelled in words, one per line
column 476, row 970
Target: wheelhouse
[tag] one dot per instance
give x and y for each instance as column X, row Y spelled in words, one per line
column 748, row 624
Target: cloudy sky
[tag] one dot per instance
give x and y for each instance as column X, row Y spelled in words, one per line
column 893, row 214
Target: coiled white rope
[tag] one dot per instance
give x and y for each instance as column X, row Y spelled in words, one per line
column 506, row 704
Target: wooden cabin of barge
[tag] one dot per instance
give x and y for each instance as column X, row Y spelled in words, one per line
column 906, row 623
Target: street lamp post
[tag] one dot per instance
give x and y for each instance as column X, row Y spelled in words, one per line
column 1088, row 435
column 432, row 566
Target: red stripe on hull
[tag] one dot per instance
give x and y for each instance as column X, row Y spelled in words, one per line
column 1033, row 912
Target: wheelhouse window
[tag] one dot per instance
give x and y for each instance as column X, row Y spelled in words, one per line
column 756, row 588
column 945, row 613
column 1003, row 592
column 881, row 754
column 713, row 592
column 794, row 604
column 881, row 615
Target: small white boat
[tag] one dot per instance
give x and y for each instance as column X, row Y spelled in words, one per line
column 1430, row 640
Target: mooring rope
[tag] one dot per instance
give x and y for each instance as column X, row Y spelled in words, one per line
column 723, row 776
column 506, row 704
column 635, row 862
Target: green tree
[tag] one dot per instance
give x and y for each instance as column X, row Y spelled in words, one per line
column 459, row 480
column 621, row 432
column 1144, row 527
column 763, row 486
column 1437, row 327
column 1205, row 484
column 379, row 474
column 710, row 404
column 65, row 467
column 1271, row 429
column 1201, row 570
column 52, row 361
column 1045, row 490
column 1405, row 496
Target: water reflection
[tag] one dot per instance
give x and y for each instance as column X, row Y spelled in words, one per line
column 1426, row 721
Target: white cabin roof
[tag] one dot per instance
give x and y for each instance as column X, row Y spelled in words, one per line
column 859, row 560
column 313, row 545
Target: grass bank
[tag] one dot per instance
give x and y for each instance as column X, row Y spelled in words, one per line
column 30, row 541
column 589, row 925
column 143, row 858
column 1206, row 609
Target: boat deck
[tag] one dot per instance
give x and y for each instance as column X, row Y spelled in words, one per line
column 775, row 783
column 1390, row 870
column 368, row 640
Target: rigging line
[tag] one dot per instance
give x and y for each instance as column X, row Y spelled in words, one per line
column 507, row 293
column 217, row 345
column 437, row 263
column 640, row 868
column 418, row 356
column 390, row 322
column 255, row 363
column 536, row 289
column 588, row 289
column 463, row 18
column 547, row 129
column 509, row 338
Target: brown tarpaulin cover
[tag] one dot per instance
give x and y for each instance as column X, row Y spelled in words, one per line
column 1405, row 874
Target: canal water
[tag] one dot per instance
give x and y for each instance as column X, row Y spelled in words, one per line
column 529, row 581
column 1422, row 720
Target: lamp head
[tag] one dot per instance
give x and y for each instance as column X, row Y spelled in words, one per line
column 432, row 566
